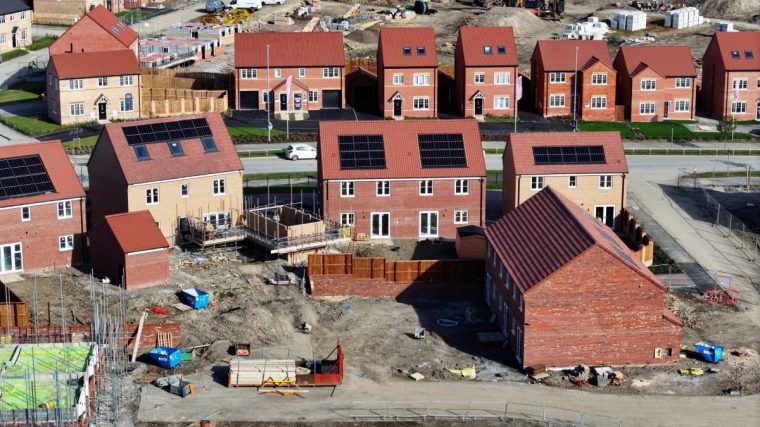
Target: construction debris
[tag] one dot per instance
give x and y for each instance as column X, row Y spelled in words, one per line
column 686, row 17
column 579, row 375
column 469, row 373
column 591, row 29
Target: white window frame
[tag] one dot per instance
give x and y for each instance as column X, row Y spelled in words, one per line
column 313, row 96
column 152, row 196
column 421, row 103
column 554, row 101
column 462, row 187
column 66, row 243
column 682, row 106
column 645, row 111
column 302, row 72
column 502, row 78
column 501, row 103
column 741, row 83
column 461, row 216
column 347, row 189
column 648, row 84
column 76, row 84
column 537, row 182
column 102, row 81
column 479, row 78
column 184, row 190
column 249, row 74
column 76, row 109
column 219, row 187
column 572, row 181
column 348, row 219
column 126, row 81
column 557, row 78
column 426, row 187
column 429, row 214
column 599, row 79
column 125, row 107
column 683, row 82
column 605, row 182
column 16, row 248
column 739, row 107
column 278, row 72
column 383, row 188
column 421, row 79
column 26, row 213
column 330, row 73
column 599, row 102
column 398, row 79
column 65, row 209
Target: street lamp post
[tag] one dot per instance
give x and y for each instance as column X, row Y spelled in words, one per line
column 269, row 121
column 575, row 93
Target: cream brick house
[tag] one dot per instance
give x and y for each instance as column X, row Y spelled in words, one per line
column 184, row 170
column 588, row 168
column 15, row 25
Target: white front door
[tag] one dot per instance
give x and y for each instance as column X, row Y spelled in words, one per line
column 381, row 225
column 11, row 258
column 606, row 214
column 429, row 224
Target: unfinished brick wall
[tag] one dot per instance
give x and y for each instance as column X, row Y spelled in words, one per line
column 346, row 285
column 81, row 333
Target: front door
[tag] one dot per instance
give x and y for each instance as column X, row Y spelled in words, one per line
column 757, row 114
column 666, row 110
column 11, row 258
column 478, row 106
column 102, row 113
column 428, row 224
column 605, row 214
column 283, row 102
column 397, row 108
column 381, row 225
column 297, row 97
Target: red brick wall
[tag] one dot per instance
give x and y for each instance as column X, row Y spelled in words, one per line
column 45, row 334
column 587, row 90
column 544, row 89
column 631, row 96
column 108, row 187
column 39, row 237
column 405, row 204
column 596, row 311
column 387, row 89
column 466, row 79
column 313, row 80
column 147, row 269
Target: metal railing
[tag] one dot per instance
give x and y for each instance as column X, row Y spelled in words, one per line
column 691, row 152
column 472, row 411
column 731, row 227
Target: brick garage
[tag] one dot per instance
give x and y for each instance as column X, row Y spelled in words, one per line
column 574, row 293
column 130, row 250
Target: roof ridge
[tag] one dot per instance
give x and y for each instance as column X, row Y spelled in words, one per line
column 564, row 204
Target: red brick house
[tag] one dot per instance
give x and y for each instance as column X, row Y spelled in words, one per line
column 99, row 30
column 731, row 76
column 313, row 61
column 656, row 83
column 407, row 73
column 402, row 179
column 42, row 209
column 130, row 250
column 573, row 292
column 552, row 68
column 486, row 71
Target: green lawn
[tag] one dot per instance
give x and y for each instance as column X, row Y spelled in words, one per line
column 663, row 130
column 497, row 119
column 33, row 125
column 625, row 132
column 236, row 132
column 15, row 53
column 22, row 92
column 278, row 175
column 259, row 153
column 85, row 143
column 41, row 43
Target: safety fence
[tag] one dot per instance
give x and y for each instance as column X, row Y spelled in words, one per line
column 731, row 227
column 690, row 152
column 472, row 411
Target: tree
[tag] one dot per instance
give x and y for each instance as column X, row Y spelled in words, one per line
column 726, row 127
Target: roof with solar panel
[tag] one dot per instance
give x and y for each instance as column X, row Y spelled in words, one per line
column 547, row 153
column 170, row 148
column 400, row 149
column 36, row 173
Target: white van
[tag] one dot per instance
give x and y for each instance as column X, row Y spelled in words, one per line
column 246, row 4
column 273, row 1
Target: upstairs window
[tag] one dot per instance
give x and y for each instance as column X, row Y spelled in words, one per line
column 248, row 73
column 557, row 78
column 735, row 54
column 407, row 51
column 102, row 81
column 347, row 189
column 125, row 80
column 420, row 50
column 501, row 50
column 175, row 148
column 65, row 210
column 748, row 54
column 536, row 182
column 648, row 84
column 209, row 145
column 141, row 151
column 487, row 50
column 151, row 196
column 218, row 187
column 683, row 82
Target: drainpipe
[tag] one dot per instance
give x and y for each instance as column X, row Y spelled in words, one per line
column 622, row 195
column 139, row 96
column 82, row 213
column 483, row 192
column 517, row 193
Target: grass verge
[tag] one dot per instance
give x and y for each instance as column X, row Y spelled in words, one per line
column 497, row 119
column 662, row 263
column 279, row 175
column 240, row 132
column 624, row 130
column 83, row 144
column 15, row 53
column 42, row 43
column 28, row 91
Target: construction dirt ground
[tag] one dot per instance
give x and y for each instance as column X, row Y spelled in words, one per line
column 376, row 334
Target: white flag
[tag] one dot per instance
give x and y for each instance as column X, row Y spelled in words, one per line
column 518, row 92
column 288, row 88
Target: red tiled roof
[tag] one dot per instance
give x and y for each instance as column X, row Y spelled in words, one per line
column 162, row 165
column 289, row 49
column 741, row 42
column 59, row 169
column 111, row 23
column 474, row 39
column 136, row 231
column 548, row 231
column 559, row 55
column 402, row 153
column 95, row 64
column 520, row 152
column 393, row 40
column 667, row 61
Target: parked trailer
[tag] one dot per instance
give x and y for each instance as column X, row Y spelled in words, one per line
column 259, row 372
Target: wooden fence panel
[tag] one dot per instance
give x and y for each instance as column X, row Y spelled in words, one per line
column 361, row 268
column 14, row 315
column 378, row 268
column 396, row 271
column 315, row 265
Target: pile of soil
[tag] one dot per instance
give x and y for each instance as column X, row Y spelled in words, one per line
column 522, row 21
column 729, row 8
column 368, row 36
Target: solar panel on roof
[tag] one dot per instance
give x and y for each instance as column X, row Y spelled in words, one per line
column 442, row 150
column 166, row 131
column 569, row 155
column 23, row 176
column 361, row 151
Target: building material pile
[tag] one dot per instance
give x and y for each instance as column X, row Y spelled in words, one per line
column 592, row 29
column 725, row 27
column 686, row 17
column 255, row 372
column 628, row 20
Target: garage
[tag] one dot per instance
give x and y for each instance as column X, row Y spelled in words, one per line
column 331, row 99
column 249, row 100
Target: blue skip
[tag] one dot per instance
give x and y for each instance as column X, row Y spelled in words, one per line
column 195, row 298
column 712, row 353
column 166, row 357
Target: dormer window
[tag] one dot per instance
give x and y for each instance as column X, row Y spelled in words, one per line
column 407, row 51
column 502, row 50
column 735, row 54
column 748, row 54
column 420, row 50
column 487, row 50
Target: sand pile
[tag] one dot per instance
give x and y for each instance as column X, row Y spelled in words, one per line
column 368, row 36
column 730, row 8
column 522, row 21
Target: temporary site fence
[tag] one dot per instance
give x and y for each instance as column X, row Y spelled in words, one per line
column 691, row 152
column 472, row 411
column 446, row 270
